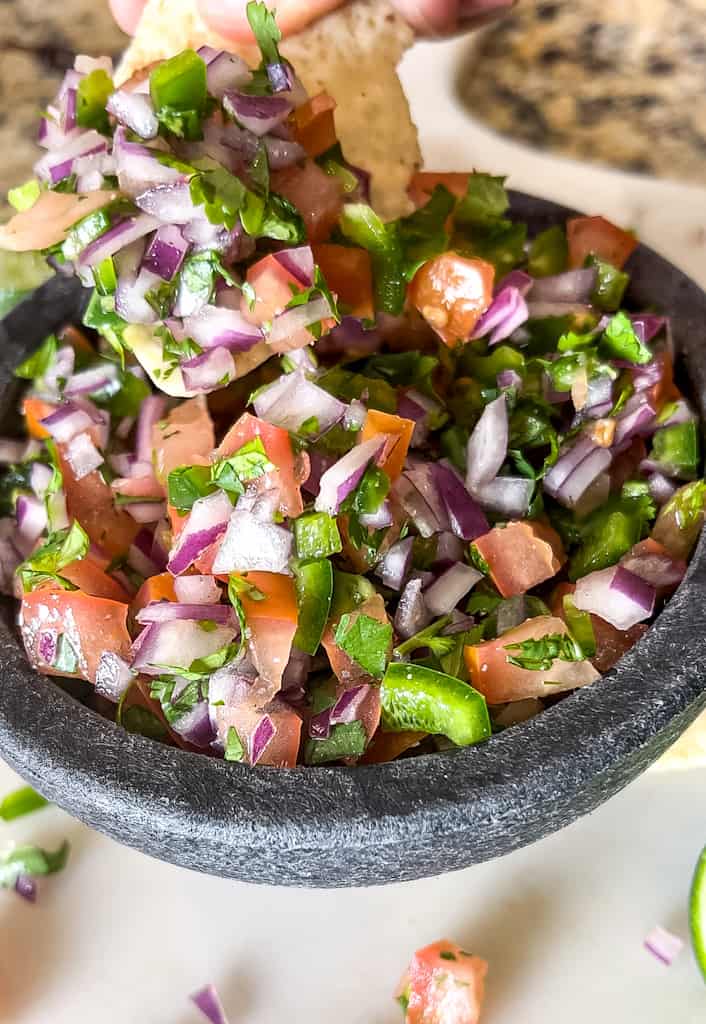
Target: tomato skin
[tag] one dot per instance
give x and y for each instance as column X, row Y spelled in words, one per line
column 34, row 411
column 91, row 624
column 274, row 287
column 444, row 985
column 348, row 672
column 88, row 574
column 452, row 292
column 90, row 501
column 283, row 749
column 184, row 438
column 156, row 588
column 313, row 124
column 665, row 390
column 399, row 429
column 500, row 682
column 389, row 745
column 521, row 555
column 278, row 447
column 611, row 643
column 597, row 236
column 317, row 196
column 348, row 273
column 423, row 183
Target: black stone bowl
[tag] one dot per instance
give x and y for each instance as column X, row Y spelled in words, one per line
column 411, row 818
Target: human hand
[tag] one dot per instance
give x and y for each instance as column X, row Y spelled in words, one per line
column 227, row 17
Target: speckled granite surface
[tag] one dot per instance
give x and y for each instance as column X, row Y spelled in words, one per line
column 622, row 82
column 37, row 43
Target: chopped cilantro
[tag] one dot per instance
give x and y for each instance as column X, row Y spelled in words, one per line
column 187, row 484
column 366, row 641
column 429, row 637
column 91, row 97
column 32, row 861
column 249, row 462
column 539, row 655
column 344, row 741
column 58, row 551
column 619, row 341
column 485, row 200
column 266, row 31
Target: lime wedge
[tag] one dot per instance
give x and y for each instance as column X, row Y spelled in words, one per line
column 697, row 912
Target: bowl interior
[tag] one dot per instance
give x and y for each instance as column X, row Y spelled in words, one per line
column 406, row 819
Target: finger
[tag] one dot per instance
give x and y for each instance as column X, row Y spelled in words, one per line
column 228, row 18
column 127, row 13
column 442, row 17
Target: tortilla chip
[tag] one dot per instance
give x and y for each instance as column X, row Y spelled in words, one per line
column 352, row 54
column 688, row 752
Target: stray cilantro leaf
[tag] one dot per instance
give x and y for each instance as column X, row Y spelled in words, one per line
column 266, row 31
column 619, row 341
column 58, row 551
column 91, row 97
column 32, row 861
column 36, row 365
column 221, row 194
column 438, row 645
column 248, row 463
column 366, row 641
column 539, row 655
column 235, row 751
column 187, row 484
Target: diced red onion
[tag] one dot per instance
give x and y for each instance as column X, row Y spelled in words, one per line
column 346, row 708
column 637, row 421
column 350, row 337
column 165, row 253
column 580, row 479
column 261, row 738
column 412, row 613
column 250, row 544
column 179, row 643
column 206, row 999
column 319, row 465
column 138, row 167
column 648, row 325
column 509, row 379
column 506, row 313
column 91, row 381
column 298, row 262
column 139, row 555
column 225, row 71
column 507, row 496
column 283, row 152
column 320, row 725
column 216, row 327
column 464, row 514
column 197, row 590
column 345, row 475
column 663, row 945
column 146, row 511
column 11, row 451
column 396, row 563
column 171, row 203
column 293, row 399
column 121, row 234
column 288, row 326
column 657, row 568
column 40, row 477
column 487, row 446
column 135, row 111
column 159, row 549
column 259, row 114
column 569, row 459
column 207, row 521
column 151, row 412
column 83, row 456
column 26, row 887
column 453, row 584
column 57, row 511
column 59, row 161
column 113, row 676
column 166, row 611
column 130, row 298
column 195, row 725
column 66, row 422
column 449, row 548
column 31, row 522
column 661, row 488
column 280, row 76
column 424, row 515
column 512, row 612
column 208, row 371
column 571, row 286
column 378, row 520
column 616, row 595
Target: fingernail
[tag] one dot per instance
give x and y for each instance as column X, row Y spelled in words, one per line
column 476, row 13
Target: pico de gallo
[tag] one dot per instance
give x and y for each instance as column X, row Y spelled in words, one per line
column 310, row 488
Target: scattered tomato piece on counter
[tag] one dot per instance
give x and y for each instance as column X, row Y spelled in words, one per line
column 443, row 984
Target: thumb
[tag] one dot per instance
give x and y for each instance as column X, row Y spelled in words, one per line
column 441, row 17
column 228, row 18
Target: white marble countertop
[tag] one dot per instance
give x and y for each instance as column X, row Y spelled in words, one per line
column 121, row 939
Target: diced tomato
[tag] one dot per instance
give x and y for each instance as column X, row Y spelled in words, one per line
column 597, row 236
column 521, row 555
column 88, row 574
column 349, row 275
column 317, row 196
column 90, row 501
column 665, row 390
column 625, row 466
column 386, row 746
column 90, row 625
column 278, row 447
column 452, row 292
column 313, row 124
column 611, row 643
column 273, row 286
column 398, row 428
column 423, row 184
column 78, row 341
column 348, row 672
column 155, row 588
column 651, row 560
column 177, row 520
column 283, row 749
column 500, row 681
column 184, row 438
column 443, row 985
column 272, row 623
column 34, row 411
